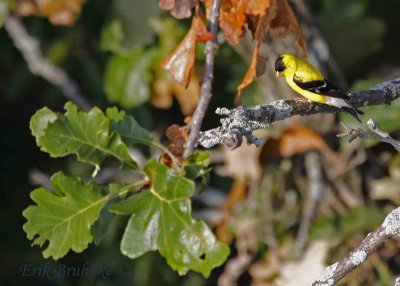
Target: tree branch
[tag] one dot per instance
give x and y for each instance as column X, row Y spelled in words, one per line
column 335, row 272
column 242, row 122
column 39, row 65
column 378, row 135
column 206, row 88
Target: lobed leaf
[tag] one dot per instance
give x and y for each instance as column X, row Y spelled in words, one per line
column 161, row 220
column 131, row 132
column 63, row 217
column 87, row 135
column 195, row 164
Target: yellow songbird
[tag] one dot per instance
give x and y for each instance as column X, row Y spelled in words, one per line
column 308, row 81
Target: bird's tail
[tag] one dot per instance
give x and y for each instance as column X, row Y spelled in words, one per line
column 353, row 112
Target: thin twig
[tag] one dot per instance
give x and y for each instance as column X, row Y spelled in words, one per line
column 268, row 214
column 38, row 178
column 206, row 84
column 242, row 122
column 335, row 272
column 39, row 65
column 315, row 189
column 378, row 135
column 234, row 268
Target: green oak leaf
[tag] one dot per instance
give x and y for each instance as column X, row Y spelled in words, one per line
column 195, row 164
column 112, row 36
column 128, row 77
column 161, row 220
column 86, row 134
column 128, row 128
column 64, row 217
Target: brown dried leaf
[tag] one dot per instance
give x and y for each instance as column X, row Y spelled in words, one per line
column 181, row 61
column 59, row 12
column 256, row 69
column 232, row 19
column 179, row 8
column 177, row 136
column 297, row 140
column 257, row 7
column 260, row 13
column 294, row 140
column 285, row 22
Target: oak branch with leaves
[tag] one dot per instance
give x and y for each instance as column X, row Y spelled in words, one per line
column 73, row 214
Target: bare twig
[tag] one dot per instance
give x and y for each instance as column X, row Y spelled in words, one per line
column 315, row 189
column 335, row 272
column 234, row 268
column 206, row 84
column 378, row 135
column 241, row 122
column 38, row 178
column 39, row 65
column 268, row 214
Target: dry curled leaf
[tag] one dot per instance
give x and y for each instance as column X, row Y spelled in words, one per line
column 181, row 61
column 285, row 22
column 256, row 69
column 177, row 136
column 59, row 12
column 293, row 140
column 232, row 19
column 179, row 8
column 260, row 16
column 297, row 140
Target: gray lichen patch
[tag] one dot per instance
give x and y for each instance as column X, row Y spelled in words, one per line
column 327, row 274
column 358, row 257
column 282, row 109
column 391, row 224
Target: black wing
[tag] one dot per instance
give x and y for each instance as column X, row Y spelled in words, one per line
column 322, row 87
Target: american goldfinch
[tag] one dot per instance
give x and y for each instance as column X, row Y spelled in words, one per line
column 308, row 81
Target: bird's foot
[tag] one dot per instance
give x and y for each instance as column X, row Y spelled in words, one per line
column 301, row 99
column 311, row 104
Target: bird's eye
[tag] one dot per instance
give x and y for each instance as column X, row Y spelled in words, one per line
column 279, row 65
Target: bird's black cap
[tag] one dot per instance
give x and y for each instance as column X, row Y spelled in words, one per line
column 279, row 65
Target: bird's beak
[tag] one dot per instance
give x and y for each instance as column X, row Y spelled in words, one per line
column 278, row 74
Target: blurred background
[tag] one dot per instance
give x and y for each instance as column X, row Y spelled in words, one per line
column 303, row 200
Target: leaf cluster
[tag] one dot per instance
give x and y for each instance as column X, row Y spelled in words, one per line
column 159, row 204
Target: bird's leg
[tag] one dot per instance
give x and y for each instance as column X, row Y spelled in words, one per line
column 311, row 104
column 301, row 99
